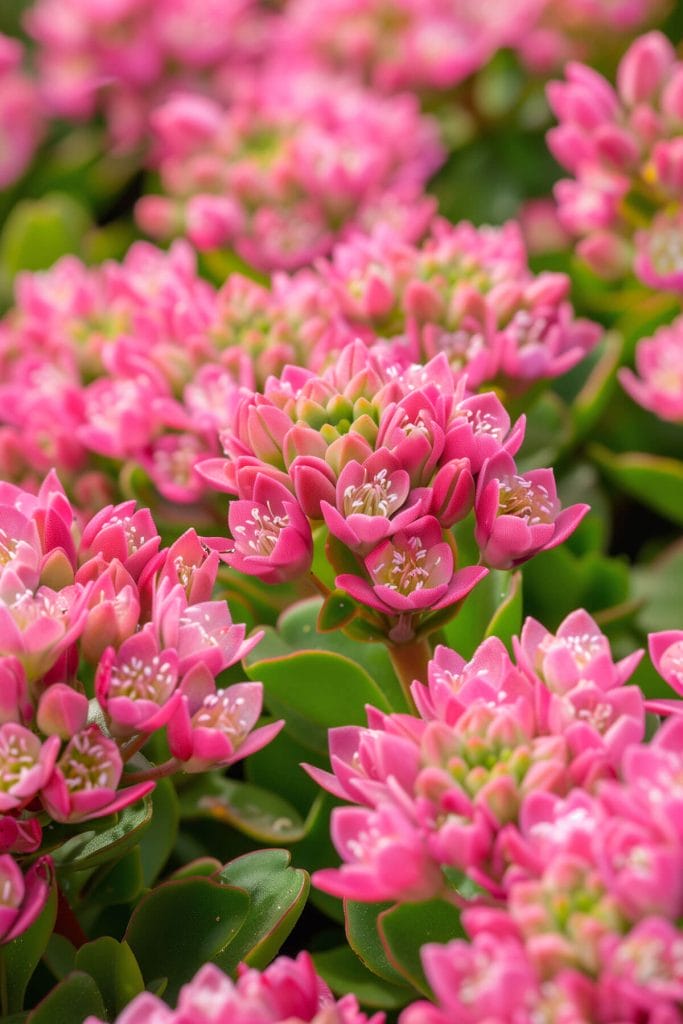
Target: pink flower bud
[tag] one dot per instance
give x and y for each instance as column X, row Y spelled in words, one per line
column 62, row 711
column 643, row 68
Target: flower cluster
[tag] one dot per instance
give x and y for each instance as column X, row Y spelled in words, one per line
column 125, row 57
column 389, row 457
column 584, row 29
column 107, row 362
column 659, row 361
column 532, row 780
column 286, row 991
column 421, row 45
column 625, row 151
column 21, row 116
column 464, row 291
column 296, row 160
column 117, row 616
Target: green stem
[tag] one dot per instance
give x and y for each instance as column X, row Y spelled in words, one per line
column 4, row 995
column 160, row 771
column 410, row 662
column 131, row 748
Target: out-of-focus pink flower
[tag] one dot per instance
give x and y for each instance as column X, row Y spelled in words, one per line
column 619, row 144
column 84, row 782
column 298, row 159
column 62, row 711
column 518, row 516
column 666, row 651
column 659, row 363
column 385, row 857
column 26, row 764
column 21, row 114
column 22, row 896
column 39, row 627
column 286, row 991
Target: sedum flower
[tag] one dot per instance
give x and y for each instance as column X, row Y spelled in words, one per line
column 85, row 779
column 22, row 897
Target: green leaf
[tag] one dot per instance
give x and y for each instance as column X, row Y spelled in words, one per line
column 336, row 610
column 278, row 894
column 277, row 768
column 182, row 924
column 60, row 956
column 158, row 841
column 344, row 972
column 23, row 954
column 70, row 1002
column 654, row 480
column 39, row 231
column 76, row 848
column 322, row 688
column 121, row 882
column 261, row 815
column 659, row 586
column 365, row 941
column 506, row 621
column 112, row 965
column 404, row 929
column 206, row 866
column 594, row 396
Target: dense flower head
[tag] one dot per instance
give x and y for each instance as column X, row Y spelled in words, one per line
column 294, row 162
column 623, row 148
column 658, row 384
column 107, row 361
column 464, row 291
column 578, row 864
column 21, row 113
column 141, row 622
column 123, row 58
column 390, row 455
column 286, row 991
column 413, row 44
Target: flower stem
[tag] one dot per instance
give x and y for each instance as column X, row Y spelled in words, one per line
column 159, row 771
column 410, row 662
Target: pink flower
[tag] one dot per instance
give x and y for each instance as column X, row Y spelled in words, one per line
column 124, row 533
column 578, row 651
column 210, row 727
column 372, row 502
column 23, row 896
column 21, row 115
column 518, row 516
column 136, row 686
column 26, row 764
column 272, row 537
column 62, row 711
column 659, row 384
column 488, row 979
column 385, row 857
column 666, row 651
column 113, row 605
column 286, row 991
column 412, row 572
column 658, row 260
column 38, row 628
column 85, row 779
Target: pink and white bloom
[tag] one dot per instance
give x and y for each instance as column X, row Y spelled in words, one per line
column 136, row 685
column 22, row 897
column 85, row 780
column 518, row 516
column 272, row 537
column 26, row 764
column 211, row 728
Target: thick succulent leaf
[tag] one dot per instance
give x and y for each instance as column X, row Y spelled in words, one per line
column 278, row 895
column 23, row 954
column 181, row 924
column 258, row 813
column 365, row 940
column 114, row 968
column 344, row 972
column 71, row 1001
column 77, row 847
column 654, row 480
column 404, row 929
